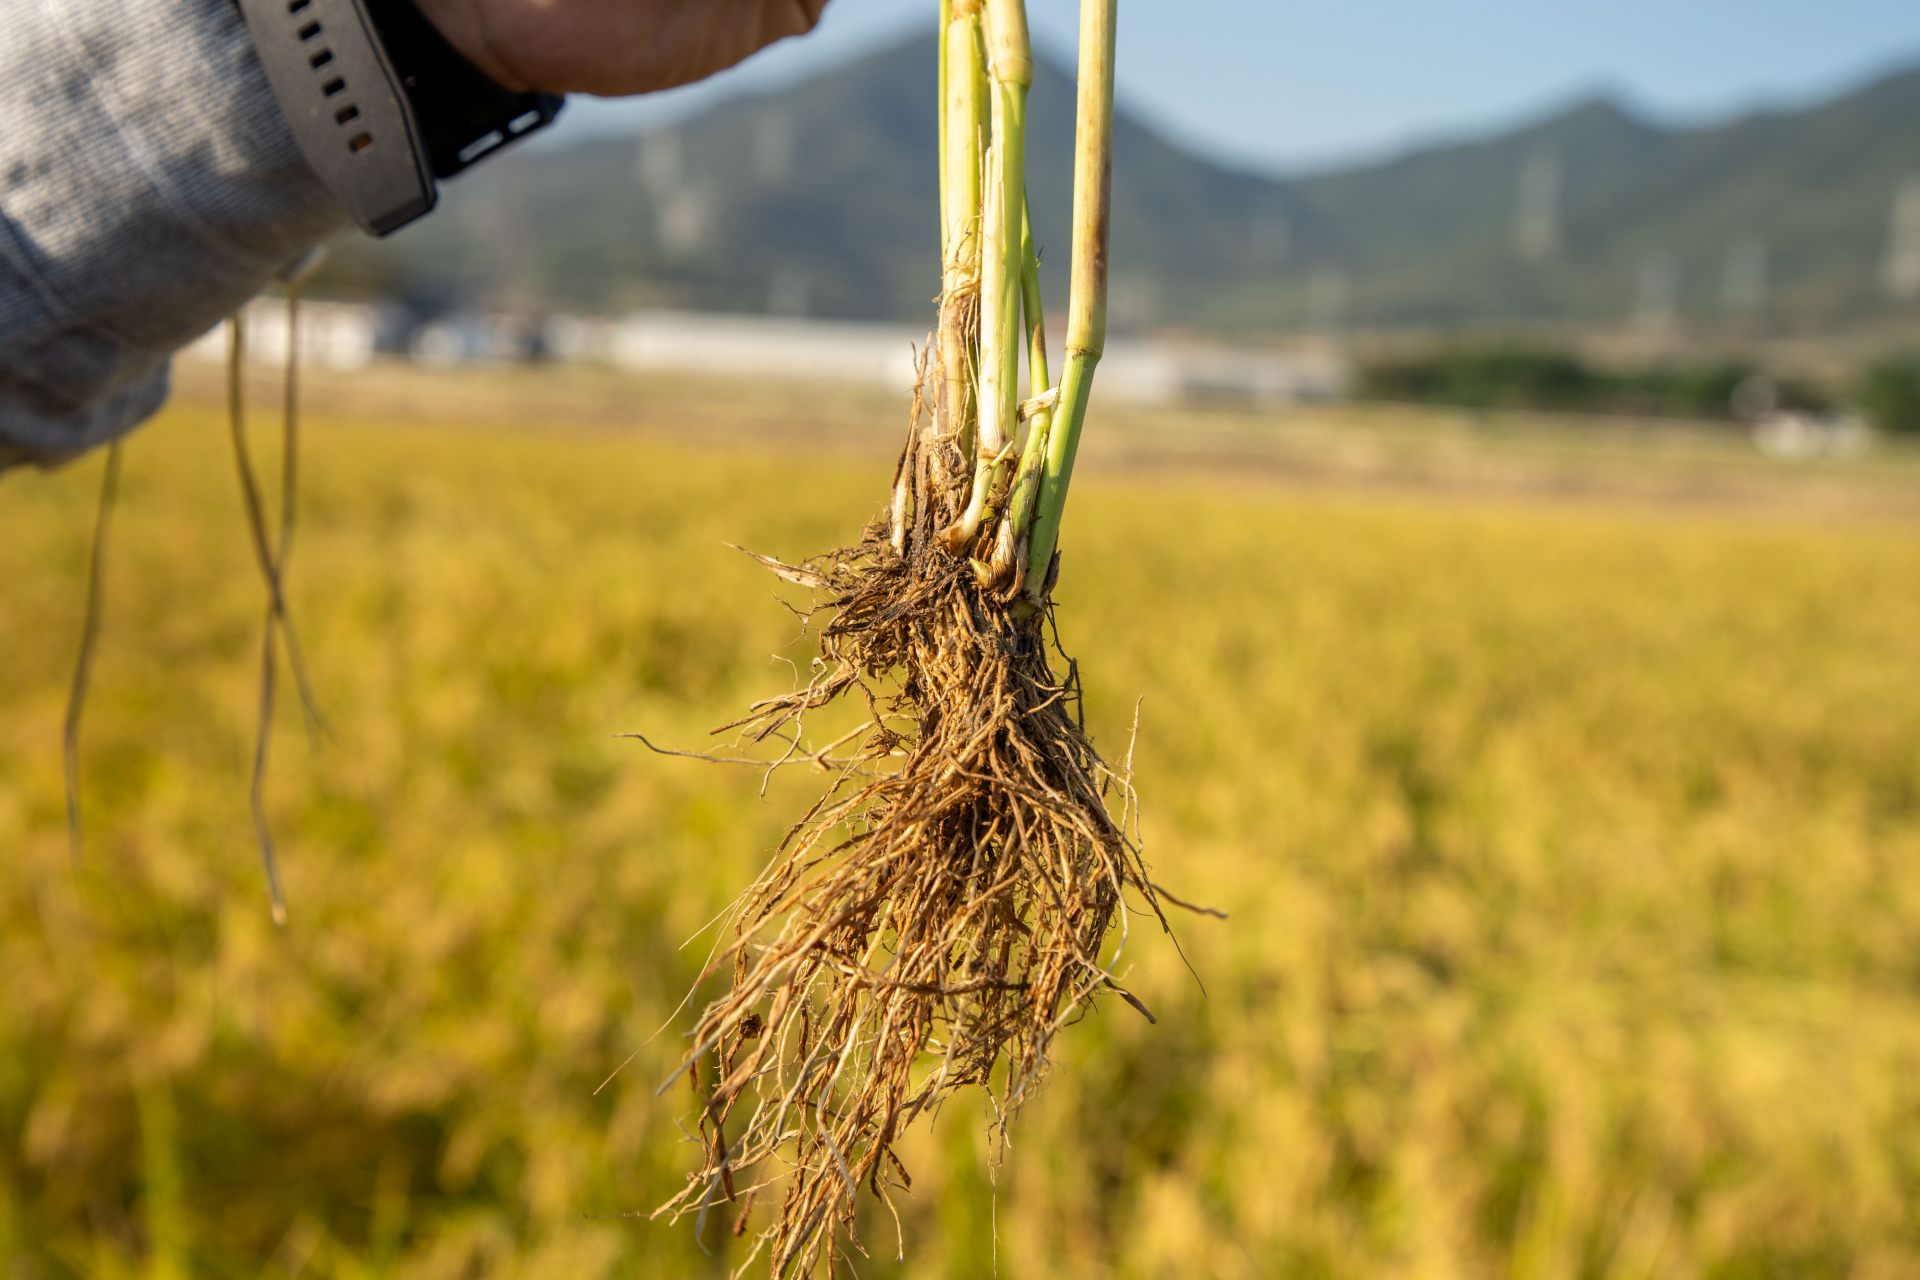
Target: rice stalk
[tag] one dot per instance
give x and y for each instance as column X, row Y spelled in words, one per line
column 89, row 643
column 271, row 552
column 943, row 910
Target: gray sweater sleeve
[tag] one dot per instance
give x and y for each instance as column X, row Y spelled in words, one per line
column 148, row 186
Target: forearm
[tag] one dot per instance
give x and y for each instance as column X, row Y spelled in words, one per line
column 148, row 186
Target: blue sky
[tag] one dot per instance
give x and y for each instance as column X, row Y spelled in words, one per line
column 1281, row 86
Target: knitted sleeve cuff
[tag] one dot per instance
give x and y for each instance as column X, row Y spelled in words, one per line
column 148, row 186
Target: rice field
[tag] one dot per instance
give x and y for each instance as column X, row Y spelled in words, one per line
column 1571, row 851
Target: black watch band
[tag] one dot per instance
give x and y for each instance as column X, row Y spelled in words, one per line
column 463, row 115
column 380, row 103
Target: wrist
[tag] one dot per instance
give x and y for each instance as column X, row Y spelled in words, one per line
column 464, row 26
column 460, row 110
column 381, row 102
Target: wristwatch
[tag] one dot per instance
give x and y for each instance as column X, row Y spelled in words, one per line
column 381, row 104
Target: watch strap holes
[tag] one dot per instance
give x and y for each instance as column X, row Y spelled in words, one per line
column 337, row 84
column 481, row 145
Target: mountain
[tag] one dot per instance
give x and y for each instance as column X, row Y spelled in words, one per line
column 822, row 199
column 1592, row 215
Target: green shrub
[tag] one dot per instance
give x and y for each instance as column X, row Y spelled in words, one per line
column 1500, row 377
column 1889, row 392
column 1513, row 377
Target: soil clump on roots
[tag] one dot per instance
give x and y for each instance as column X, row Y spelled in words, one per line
column 939, row 913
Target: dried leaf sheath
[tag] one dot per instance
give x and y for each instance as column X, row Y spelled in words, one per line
column 941, row 909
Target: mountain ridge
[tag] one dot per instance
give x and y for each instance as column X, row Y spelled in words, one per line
column 821, row 199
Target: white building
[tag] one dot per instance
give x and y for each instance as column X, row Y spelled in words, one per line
column 333, row 335
column 741, row 346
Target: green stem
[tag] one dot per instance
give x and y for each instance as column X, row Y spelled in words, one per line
column 1003, row 205
column 1037, row 383
column 1057, row 474
column 1087, row 300
column 1026, row 485
column 946, row 226
column 964, row 119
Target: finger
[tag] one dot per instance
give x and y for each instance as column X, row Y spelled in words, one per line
column 810, row 11
column 711, row 37
column 617, row 47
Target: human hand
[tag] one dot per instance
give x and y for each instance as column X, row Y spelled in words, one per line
column 613, row 47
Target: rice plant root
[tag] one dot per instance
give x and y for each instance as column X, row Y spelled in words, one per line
column 941, row 912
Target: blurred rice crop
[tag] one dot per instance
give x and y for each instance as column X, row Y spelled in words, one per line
column 1573, row 858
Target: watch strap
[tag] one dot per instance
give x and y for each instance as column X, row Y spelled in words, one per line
column 462, row 114
column 346, row 105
